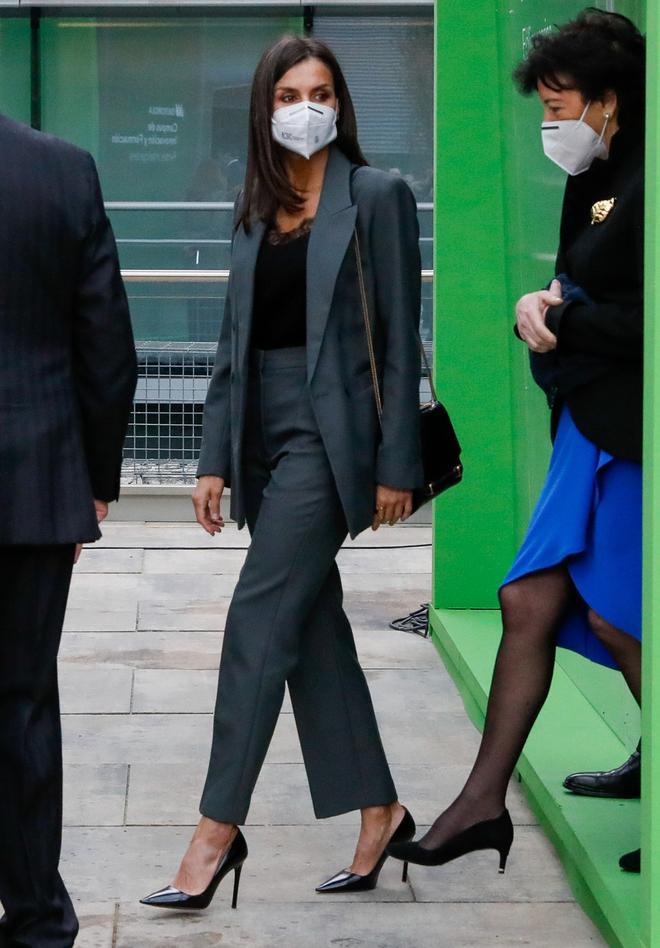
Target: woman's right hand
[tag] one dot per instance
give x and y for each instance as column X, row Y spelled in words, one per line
column 531, row 311
column 206, row 499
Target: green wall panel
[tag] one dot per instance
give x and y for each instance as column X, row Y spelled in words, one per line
column 15, row 67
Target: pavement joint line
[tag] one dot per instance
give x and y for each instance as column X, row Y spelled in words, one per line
column 130, row 706
column 126, row 792
column 115, row 924
column 215, row 549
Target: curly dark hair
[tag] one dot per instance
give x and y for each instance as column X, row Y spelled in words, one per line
column 594, row 53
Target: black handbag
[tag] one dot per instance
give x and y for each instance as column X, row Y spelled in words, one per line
column 441, row 451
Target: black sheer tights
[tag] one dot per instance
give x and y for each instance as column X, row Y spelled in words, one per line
column 532, row 608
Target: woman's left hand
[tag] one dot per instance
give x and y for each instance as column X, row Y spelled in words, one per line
column 392, row 505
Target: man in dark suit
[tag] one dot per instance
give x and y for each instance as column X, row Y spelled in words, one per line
column 67, row 378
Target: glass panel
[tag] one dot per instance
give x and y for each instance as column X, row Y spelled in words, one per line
column 162, row 103
column 388, row 64
column 15, row 67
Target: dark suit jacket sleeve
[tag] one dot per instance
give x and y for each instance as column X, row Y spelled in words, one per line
column 105, row 364
column 613, row 330
column 215, row 453
column 394, row 240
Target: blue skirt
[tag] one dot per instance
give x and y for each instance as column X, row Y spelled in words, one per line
column 589, row 516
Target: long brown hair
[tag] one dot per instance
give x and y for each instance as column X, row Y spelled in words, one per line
column 267, row 186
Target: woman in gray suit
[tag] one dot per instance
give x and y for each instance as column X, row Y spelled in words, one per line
column 291, row 423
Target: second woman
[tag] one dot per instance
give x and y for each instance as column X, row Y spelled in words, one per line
column 291, row 423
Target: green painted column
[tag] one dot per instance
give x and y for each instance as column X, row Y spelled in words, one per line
column 474, row 523
column 651, row 652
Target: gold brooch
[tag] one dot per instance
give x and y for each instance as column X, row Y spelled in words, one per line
column 601, row 210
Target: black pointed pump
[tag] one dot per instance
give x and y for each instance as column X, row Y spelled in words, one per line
column 347, row 881
column 489, row 834
column 169, row 897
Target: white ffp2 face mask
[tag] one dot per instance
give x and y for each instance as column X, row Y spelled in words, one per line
column 304, row 127
column 572, row 144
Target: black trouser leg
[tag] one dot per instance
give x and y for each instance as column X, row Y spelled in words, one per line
column 36, row 585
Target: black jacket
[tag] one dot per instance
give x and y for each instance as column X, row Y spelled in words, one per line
column 597, row 367
column 67, row 358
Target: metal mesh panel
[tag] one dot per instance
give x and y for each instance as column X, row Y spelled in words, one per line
column 165, row 430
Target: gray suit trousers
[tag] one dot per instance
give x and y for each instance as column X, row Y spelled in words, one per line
column 286, row 623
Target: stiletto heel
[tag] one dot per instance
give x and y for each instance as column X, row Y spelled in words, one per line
column 169, row 897
column 489, row 834
column 347, row 881
column 404, row 874
column 237, row 882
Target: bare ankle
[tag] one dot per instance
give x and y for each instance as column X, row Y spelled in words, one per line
column 212, row 833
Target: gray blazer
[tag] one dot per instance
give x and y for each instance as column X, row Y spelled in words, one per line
column 362, row 453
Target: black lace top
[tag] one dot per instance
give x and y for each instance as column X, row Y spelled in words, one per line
column 280, row 286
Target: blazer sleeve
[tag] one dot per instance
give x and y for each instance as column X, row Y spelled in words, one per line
column 396, row 261
column 215, row 452
column 104, row 359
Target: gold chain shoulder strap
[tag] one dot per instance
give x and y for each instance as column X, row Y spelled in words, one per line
column 370, row 338
column 367, row 327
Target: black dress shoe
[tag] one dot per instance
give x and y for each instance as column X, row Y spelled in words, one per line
column 623, row 783
column 169, row 897
column 631, row 861
column 347, row 881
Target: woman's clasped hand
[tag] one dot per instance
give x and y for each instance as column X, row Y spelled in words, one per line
column 531, row 312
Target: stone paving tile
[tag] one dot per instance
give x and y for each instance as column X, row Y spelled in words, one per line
column 173, row 648
column 209, row 561
column 94, row 794
column 152, row 649
column 97, row 560
column 533, row 874
column 147, row 629
column 97, row 923
column 328, row 924
column 102, row 602
column 190, row 535
column 286, row 862
column 183, row 588
column 366, row 611
column 183, row 691
column 229, row 561
column 184, row 615
column 282, row 795
column 183, row 738
column 95, row 689
column 407, row 561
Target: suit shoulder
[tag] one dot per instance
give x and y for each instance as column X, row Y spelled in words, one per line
column 371, row 184
column 41, row 143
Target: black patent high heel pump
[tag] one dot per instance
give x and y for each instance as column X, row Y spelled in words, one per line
column 347, row 881
column 169, row 897
column 489, row 834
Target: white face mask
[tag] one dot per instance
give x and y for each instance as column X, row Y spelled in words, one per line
column 304, row 127
column 572, row 144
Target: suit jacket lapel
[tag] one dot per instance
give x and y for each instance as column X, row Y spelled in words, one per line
column 244, row 260
column 328, row 243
